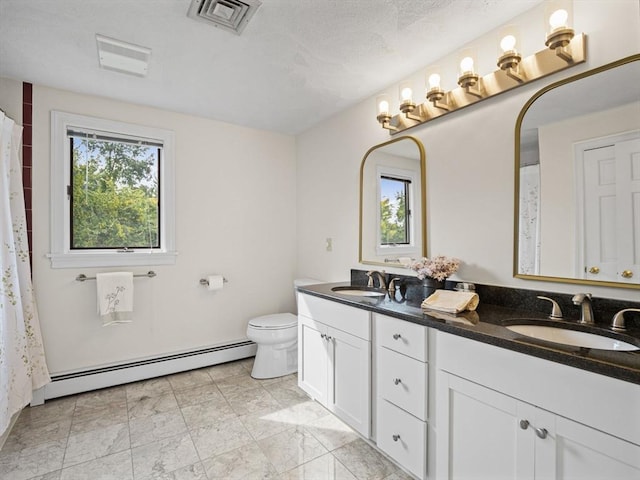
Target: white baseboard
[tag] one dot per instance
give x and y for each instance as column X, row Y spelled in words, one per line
column 84, row 381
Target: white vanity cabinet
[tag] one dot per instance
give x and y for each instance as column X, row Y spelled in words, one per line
column 334, row 359
column 505, row 415
column 402, row 392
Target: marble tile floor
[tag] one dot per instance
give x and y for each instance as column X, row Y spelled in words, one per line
column 211, row 423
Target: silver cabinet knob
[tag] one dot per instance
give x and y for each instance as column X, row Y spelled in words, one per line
column 524, row 424
column 541, row 432
column 396, row 437
column 396, row 381
column 396, row 336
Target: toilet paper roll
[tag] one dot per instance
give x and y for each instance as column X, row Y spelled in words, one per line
column 216, row 282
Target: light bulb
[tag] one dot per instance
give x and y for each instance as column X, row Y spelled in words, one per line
column 383, row 107
column 434, row 80
column 406, row 94
column 558, row 19
column 466, row 65
column 508, row 43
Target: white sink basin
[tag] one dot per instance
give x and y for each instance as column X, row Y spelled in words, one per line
column 360, row 291
column 572, row 337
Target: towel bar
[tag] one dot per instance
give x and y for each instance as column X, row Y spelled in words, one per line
column 82, row 277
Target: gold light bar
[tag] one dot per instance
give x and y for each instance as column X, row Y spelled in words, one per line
column 566, row 50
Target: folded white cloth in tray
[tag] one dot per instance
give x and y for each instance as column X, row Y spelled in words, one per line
column 451, row 301
column 115, row 297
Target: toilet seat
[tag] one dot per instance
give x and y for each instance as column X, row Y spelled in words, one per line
column 276, row 321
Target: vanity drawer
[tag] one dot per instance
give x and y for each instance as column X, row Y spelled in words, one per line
column 403, row 437
column 401, row 336
column 402, row 381
column 348, row 319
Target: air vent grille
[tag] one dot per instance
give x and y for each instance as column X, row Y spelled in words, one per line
column 122, row 57
column 231, row 15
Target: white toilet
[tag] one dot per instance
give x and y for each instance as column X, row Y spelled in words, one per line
column 277, row 338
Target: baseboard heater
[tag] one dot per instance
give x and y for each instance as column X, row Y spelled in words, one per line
column 118, row 374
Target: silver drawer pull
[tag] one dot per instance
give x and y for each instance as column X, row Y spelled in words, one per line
column 396, row 381
column 322, row 335
column 396, row 336
column 541, row 432
column 524, row 424
column 396, row 437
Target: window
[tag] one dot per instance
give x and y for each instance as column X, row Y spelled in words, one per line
column 112, row 193
column 396, row 231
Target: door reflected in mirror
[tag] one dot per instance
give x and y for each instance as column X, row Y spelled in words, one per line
column 578, row 179
column 393, row 203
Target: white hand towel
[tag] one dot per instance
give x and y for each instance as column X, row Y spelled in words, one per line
column 451, row 302
column 115, row 297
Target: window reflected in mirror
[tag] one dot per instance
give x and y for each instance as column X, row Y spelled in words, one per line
column 392, row 203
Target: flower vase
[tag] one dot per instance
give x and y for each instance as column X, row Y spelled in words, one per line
column 430, row 285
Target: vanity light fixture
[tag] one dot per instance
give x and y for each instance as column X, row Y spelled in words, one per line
column 559, row 33
column 563, row 49
column 468, row 79
column 407, row 105
column 384, row 117
column 435, row 94
column 509, row 59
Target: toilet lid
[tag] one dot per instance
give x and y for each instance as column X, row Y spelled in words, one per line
column 274, row 321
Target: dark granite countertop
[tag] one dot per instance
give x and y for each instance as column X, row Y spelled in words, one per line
column 488, row 324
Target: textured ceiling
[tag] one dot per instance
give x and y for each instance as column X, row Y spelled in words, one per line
column 296, row 63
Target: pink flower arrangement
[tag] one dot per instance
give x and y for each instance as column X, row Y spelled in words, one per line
column 438, row 267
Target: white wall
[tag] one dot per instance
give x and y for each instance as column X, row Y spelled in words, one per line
column 11, row 98
column 235, row 216
column 470, row 166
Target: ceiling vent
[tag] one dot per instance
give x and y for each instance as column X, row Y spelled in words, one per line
column 231, row 15
column 122, row 56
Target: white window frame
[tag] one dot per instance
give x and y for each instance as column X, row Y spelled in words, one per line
column 400, row 174
column 61, row 255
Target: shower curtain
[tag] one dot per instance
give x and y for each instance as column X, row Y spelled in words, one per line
column 22, row 362
column 529, row 228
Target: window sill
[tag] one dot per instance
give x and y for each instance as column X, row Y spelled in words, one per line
column 130, row 259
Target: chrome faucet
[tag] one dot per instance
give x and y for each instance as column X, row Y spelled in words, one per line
column 381, row 280
column 586, row 312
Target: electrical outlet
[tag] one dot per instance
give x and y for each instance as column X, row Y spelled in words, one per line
column 329, row 246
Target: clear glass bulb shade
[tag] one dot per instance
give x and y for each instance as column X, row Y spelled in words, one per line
column 508, row 43
column 382, row 104
column 434, row 80
column 558, row 19
column 466, row 65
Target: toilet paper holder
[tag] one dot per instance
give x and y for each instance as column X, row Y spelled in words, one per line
column 205, row 282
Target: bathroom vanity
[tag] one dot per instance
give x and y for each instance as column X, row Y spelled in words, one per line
column 463, row 396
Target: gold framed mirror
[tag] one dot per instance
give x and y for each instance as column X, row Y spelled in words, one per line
column 393, row 203
column 577, row 179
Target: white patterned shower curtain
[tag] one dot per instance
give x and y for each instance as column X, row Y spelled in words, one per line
column 22, row 363
column 529, row 228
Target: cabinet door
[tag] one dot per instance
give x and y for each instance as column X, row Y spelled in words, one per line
column 350, row 380
column 312, row 358
column 479, row 434
column 573, row 451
